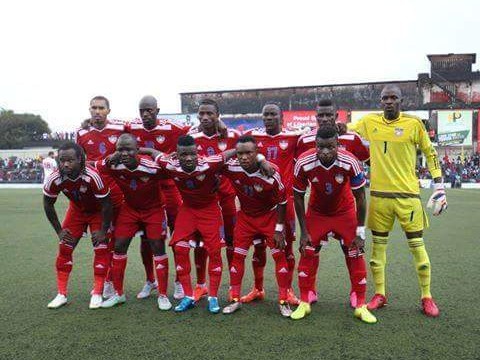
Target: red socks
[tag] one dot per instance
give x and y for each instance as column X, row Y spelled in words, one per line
column 118, row 271
column 64, row 265
column 259, row 261
column 281, row 273
column 101, row 265
column 182, row 265
column 161, row 268
column 201, row 255
column 214, row 272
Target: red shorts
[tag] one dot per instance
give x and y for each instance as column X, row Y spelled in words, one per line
column 227, row 203
column 345, row 225
column 249, row 228
column 173, row 199
column 206, row 220
column 151, row 221
column 77, row 221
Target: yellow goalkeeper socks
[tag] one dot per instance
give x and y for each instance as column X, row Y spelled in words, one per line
column 377, row 263
column 422, row 265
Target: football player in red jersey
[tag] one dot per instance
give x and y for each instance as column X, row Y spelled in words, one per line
column 263, row 206
column 161, row 135
column 210, row 142
column 143, row 209
column 337, row 204
column 90, row 207
column 98, row 137
column 326, row 116
column 279, row 147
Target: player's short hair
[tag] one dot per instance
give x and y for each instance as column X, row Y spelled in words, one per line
column 100, row 97
column 246, row 139
column 273, row 103
column 326, row 102
column 78, row 152
column 327, row 132
column 210, row 102
column 51, row 153
column 186, row 140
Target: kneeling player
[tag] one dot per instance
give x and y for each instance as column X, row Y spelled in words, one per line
column 263, row 205
column 333, row 175
column 143, row 209
column 89, row 207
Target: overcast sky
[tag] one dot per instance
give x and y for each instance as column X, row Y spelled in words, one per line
column 56, row 55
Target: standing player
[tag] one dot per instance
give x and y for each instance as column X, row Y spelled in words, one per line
column 326, row 116
column 160, row 135
column 279, row 147
column 89, row 207
column 143, row 209
column 263, row 205
column 210, row 142
column 337, row 203
column 394, row 138
column 49, row 165
column 98, row 137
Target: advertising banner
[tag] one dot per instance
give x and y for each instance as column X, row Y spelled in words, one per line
column 357, row 115
column 455, row 127
column 242, row 122
column 302, row 119
column 181, row 119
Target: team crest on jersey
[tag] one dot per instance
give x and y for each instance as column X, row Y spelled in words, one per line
column 339, row 178
column 258, row 187
column 398, row 131
column 283, row 144
column 200, row 177
column 113, row 138
column 83, row 189
column 144, row 178
column 222, row 145
column 161, row 139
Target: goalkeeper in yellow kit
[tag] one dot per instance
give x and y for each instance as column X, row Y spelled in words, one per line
column 394, row 189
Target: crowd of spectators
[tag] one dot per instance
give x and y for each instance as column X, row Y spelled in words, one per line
column 21, row 170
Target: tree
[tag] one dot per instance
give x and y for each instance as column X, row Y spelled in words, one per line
column 18, row 129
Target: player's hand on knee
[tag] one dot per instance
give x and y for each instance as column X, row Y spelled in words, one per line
column 98, row 237
column 358, row 243
column 279, row 240
column 305, row 240
column 438, row 201
column 66, row 236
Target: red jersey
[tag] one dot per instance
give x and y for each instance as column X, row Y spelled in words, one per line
column 98, row 144
column 331, row 192
column 198, row 188
column 279, row 149
column 83, row 192
column 349, row 141
column 214, row 145
column 257, row 193
column 163, row 137
column 140, row 185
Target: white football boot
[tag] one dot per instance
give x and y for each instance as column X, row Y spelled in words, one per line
column 114, row 301
column 147, row 289
column 108, row 290
column 59, row 301
column 164, row 303
column 178, row 293
column 95, row 301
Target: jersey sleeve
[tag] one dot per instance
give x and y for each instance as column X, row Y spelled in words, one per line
column 429, row 151
column 357, row 175
column 280, row 189
column 362, row 151
column 300, row 181
column 51, row 189
column 359, row 127
column 100, row 189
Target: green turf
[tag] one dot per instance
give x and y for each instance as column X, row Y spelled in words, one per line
column 30, row 331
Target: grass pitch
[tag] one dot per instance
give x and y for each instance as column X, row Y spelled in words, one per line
column 29, row 330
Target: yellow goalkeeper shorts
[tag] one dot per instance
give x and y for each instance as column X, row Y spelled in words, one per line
column 382, row 212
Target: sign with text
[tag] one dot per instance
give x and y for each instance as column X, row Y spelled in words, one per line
column 454, row 127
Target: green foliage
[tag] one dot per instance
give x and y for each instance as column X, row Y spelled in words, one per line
column 138, row 330
column 18, row 129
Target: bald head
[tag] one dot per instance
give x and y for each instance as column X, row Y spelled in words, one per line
column 148, row 111
column 127, row 138
column 391, row 98
column 127, row 150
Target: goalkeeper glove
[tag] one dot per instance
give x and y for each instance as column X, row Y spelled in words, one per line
column 438, row 200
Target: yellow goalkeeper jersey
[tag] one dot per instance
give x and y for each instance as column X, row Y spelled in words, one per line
column 393, row 149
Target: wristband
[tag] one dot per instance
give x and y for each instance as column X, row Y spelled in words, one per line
column 260, row 157
column 279, row 227
column 361, row 232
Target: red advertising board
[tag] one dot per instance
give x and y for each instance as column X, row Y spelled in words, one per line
column 478, row 131
column 301, row 119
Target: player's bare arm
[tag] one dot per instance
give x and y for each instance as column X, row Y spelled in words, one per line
column 278, row 236
column 299, row 202
column 51, row 213
column 361, row 204
column 98, row 237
